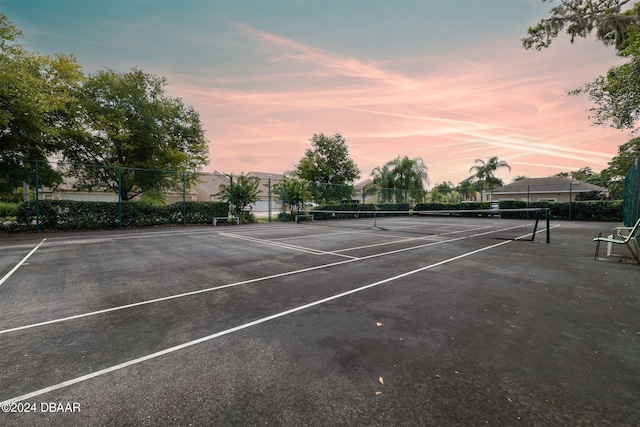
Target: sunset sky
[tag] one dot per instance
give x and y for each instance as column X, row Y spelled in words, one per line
column 444, row 80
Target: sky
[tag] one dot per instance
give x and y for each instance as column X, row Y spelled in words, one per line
column 444, row 80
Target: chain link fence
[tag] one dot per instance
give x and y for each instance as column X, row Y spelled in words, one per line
column 631, row 197
column 127, row 190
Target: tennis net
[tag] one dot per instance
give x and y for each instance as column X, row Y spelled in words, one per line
column 504, row 224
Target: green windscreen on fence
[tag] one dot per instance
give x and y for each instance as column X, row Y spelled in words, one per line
column 631, row 203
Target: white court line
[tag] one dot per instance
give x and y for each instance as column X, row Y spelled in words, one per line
column 258, row 279
column 13, row 270
column 408, row 239
column 230, row 285
column 240, row 327
column 282, row 245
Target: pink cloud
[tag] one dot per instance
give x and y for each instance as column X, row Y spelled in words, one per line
column 500, row 101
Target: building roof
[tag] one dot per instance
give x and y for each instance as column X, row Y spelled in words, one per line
column 210, row 182
column 552, row 184
column 364, row 183
column 266, row 175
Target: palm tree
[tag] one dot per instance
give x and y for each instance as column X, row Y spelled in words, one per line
column 485, row 172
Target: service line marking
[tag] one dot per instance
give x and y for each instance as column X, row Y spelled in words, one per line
column 282, row 245
column 241, row 327
column 13, row 270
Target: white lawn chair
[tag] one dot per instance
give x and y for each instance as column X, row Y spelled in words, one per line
column 622, row 235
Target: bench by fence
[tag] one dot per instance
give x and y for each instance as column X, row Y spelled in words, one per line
column 225, row 218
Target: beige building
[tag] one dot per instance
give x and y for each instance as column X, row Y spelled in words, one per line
column 551, row 189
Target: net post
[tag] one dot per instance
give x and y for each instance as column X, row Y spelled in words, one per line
column 546, row 214
column 535, row 227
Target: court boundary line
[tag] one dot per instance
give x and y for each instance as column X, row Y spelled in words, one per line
column 188, row 344
column 20, row 263
column 230, row 285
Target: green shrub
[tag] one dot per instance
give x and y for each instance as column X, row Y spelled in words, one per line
column 610, row 211
column 75, row 215
column 466, row 206
column 8, row 210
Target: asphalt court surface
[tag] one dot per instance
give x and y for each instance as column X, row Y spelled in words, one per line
column 283, row 324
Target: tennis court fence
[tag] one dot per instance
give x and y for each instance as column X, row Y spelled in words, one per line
column 631, row 200
column 176, row 194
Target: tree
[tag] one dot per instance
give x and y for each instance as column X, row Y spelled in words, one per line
column 135, row 133
column 293, row 192
column 468, row 189
column 328, row 163
column 578, row 18
column 36, row 96
column 619, row 166
column 409, row 176
column 616, row 96
column 520, row 178
column 444, row 193
column 586, row 174
column 484, row 172
column 240, row 194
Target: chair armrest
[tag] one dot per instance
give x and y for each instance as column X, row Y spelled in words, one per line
column 619, row 231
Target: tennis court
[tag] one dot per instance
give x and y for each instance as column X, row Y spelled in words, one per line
column 452, row 321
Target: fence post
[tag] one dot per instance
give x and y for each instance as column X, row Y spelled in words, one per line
column 37, row 198
column 269, row 198
column 284, row 201
column 231, row 195
column 184, row 199
column 119, row 197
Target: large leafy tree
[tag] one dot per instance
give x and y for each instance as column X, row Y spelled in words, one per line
column 401, row 179
column 616, row 95
column 135, row 133
column 485, row 172
column 36, row 95
column 329, row 164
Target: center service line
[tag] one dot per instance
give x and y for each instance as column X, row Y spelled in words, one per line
column 13, row 270
column 237, row 328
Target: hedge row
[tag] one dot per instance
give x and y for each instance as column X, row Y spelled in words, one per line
column 457, row 206
column 8, row 209
column 609, row 211
column 358, row 210
column 76, row 215
column 366, row 209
